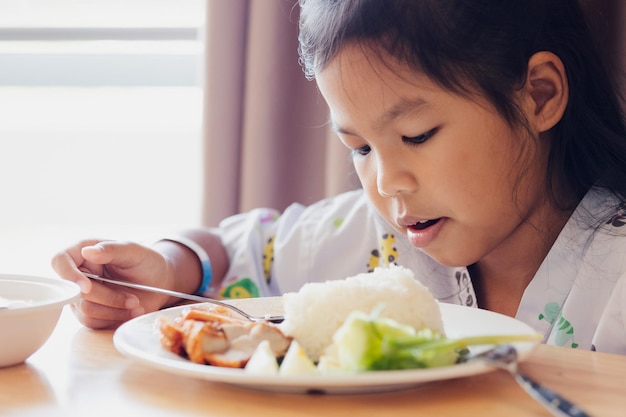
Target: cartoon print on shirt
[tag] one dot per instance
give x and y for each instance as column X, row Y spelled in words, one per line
column 241, row 288
column 386, row 254
column 465, row 296
column 374, row 260
column 269, row 216
column 619, row 218
column 268, row 259
column 563, row 330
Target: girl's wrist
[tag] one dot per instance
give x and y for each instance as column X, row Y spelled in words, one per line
column 183, row 269
column 202, row 258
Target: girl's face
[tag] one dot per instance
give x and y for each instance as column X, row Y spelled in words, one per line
column 445, row 170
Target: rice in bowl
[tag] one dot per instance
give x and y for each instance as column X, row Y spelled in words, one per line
column 318, row 309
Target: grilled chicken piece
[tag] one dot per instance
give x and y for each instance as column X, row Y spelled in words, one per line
column 171, row 336
column 217, row 314
column 215, row 336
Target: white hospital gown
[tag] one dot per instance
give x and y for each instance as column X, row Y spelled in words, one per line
column 576, row 299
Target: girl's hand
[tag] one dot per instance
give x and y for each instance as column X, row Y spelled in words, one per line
column 104, row 305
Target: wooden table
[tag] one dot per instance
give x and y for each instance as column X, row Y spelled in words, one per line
column 78, row 372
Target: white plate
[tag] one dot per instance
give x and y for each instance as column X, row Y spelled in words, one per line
column 139, row 339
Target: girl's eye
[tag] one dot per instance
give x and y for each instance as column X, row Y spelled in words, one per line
column 362, row 151
column 416, row 140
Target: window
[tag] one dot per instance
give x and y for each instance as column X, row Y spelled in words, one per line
column 100, row 123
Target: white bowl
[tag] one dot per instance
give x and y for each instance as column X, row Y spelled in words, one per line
column 34, row 306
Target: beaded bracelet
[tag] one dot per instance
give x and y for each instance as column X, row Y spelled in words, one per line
column 203, row 257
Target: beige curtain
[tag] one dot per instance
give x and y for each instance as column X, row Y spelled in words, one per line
column 267, row 143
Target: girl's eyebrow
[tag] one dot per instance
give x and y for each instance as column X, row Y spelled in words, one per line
column 403, row 106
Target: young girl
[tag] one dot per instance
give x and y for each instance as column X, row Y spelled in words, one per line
column 490, row 145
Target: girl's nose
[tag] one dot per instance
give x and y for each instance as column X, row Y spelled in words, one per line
column 392, row 178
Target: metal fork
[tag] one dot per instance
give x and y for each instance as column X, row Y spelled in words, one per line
column 505, row 357
column 270, row 318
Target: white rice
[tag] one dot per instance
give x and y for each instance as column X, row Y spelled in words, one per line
column 313, row 314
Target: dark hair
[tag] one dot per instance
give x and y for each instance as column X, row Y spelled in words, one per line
column 484, row 46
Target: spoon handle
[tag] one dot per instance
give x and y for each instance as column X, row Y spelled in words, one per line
column 554, row 402
column 191, row 297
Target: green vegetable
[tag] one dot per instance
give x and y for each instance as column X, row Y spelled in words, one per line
column 368, row 342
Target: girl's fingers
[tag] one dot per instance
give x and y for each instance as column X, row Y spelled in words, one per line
column 112, row 297
column 92, row 255
column 96, row 316
column 119, row 254
column 104, row 305
column 66, row 265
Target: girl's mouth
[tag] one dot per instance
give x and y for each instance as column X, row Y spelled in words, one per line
column 421, row 234
column 424, row 224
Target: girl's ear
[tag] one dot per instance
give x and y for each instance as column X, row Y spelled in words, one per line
column 546, row 90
